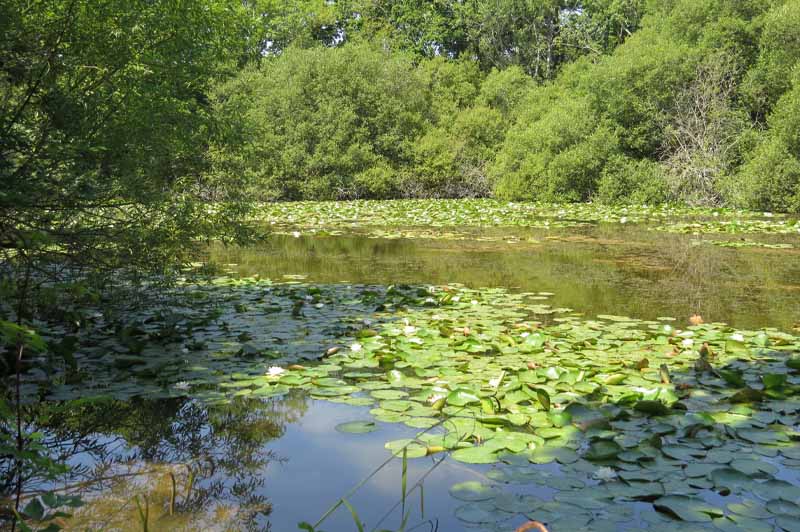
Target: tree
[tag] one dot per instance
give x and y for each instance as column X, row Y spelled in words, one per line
column 322, row 123
column 103, row 121
column 703, row 133
column 769, row 179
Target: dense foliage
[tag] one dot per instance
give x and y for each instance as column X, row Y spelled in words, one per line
column 617, row 101
column 132, row 130
column 103, row 117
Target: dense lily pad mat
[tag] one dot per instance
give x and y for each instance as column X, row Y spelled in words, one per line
column 337, row 216
column 622, row 423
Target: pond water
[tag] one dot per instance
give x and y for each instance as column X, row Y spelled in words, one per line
column 607, row 269
column 272, row 463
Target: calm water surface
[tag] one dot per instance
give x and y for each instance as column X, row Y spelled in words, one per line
column 600, row 270
column 280, row 461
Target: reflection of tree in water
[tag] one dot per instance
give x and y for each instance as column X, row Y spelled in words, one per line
column 216, row 456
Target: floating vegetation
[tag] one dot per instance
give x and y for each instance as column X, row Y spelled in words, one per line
column 405, row 218
column 750, row 244
column 420, row 233
column 628, row 424
column 737, row 226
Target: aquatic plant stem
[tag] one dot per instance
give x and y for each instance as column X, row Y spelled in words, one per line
column 374, row 472
column 19, row 438
column 20, row 441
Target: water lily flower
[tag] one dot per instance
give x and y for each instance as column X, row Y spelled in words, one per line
column 409, row 330
column 296, row 234
column 604, row 473
column 688, row 342
column 356, row 347
column 182, row 385
column 275, row 371
column 435, row 397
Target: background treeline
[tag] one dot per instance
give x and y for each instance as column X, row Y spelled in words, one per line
column 618, row 101
column 121, row 121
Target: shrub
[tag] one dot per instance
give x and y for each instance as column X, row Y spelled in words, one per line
column 625, row 180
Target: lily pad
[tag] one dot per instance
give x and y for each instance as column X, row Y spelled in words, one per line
column 691, row 509
column 357, row 427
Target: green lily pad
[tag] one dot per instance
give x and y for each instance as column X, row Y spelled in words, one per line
column 472, row 490
column 602, row 450
column 691, row 509
column 475, row 455
column 357, row 427
column 411, row 448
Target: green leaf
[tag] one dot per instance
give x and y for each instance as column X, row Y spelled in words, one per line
column 652, row 408
column 357, row 427
column 475, row 455
column 603, row 450
column 356, row 519
column 774, row 380
column 462, row 397
column 34, row 509
column 412, row 448
column 472, row 490
column 732, row 377
column 691, row 509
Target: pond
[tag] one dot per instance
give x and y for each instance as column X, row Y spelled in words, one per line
column 598, row 376
column 610, row 269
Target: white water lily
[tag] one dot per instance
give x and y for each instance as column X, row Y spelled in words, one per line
column 275, row 371
column 604, row 473
column 436, row 397
column 356, row 347
column 688, row 342
column 182, row 385
column 738, row 337
column 495, row 382
column 525, row 334
column 474, row 301
column 409, row 330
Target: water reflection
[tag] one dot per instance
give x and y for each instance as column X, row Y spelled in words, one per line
column 181, row 464
column 249, row 465
column 597, row 270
